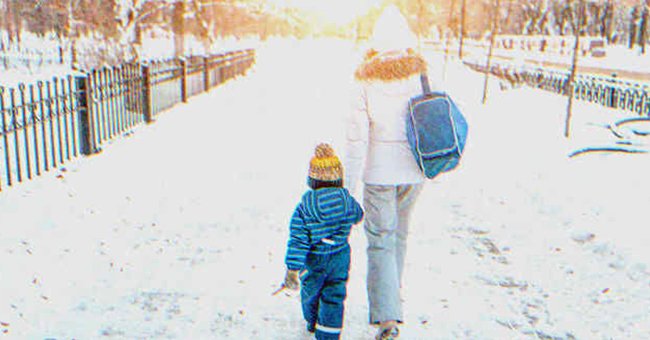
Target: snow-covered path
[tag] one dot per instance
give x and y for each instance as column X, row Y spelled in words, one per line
column 179, row 231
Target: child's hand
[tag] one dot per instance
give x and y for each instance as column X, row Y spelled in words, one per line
column 291, row 280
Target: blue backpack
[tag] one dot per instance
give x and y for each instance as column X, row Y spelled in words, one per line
column 436, row 131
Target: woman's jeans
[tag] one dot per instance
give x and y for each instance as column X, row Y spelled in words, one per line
column 324, row 291
column 387, row 209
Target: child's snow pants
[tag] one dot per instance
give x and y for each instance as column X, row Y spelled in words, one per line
column 324, row 291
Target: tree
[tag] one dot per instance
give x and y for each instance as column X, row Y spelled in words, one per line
column 463, row 16
column 420, row 14
column 129, row 17
column 643, row 27
column 448, row 35
column 13, row 22
column 607, row 21
column 493, row 33
column 578, row 25
column 561, row 12
column 634, row 18
column 178, row 28
column 205, row 17
column 535, row 17
column 2, row 24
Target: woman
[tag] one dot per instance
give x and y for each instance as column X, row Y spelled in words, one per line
column 378, row 153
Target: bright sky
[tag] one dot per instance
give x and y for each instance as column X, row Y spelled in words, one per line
column 336, row 11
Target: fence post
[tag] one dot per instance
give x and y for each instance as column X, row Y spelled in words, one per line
column 183, row 79
column 225, row 76
column 219, row 65
column 237, row 64
column 146, row 93
column 5, row 139
column 73, row 56
column 206, row 73
column 84, row 115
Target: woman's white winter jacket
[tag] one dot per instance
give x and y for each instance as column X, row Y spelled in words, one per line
column 377, row 150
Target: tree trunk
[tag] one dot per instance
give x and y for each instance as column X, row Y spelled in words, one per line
column 633, row 28
column 643, row 29
column 137, row 40
column 9, row 21
column 73, row 55
column 17, row 21
column 448, row 37
column 420, row 18
column 462, row 29
column 178, row 27
column 574, row 66
column 72, row 36
column 3, row 27
column 493, row 34
column 607, row 20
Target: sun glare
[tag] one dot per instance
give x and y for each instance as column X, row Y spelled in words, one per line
column 338, row 12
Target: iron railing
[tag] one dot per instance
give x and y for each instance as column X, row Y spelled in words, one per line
column 607, row 91
column 49, row 123
column 38, row 128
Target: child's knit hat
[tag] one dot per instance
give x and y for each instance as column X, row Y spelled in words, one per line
column 325, row 166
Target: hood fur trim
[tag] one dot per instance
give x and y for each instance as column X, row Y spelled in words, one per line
column 390, row 66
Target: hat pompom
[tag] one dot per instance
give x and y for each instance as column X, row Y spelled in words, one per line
column 324, row 150
column 325, row 165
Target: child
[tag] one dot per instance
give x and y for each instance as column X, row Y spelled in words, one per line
column 318, row 245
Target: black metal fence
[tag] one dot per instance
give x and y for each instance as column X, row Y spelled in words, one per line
column 49, row 123
column 607, row 91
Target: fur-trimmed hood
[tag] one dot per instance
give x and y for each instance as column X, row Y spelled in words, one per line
column 390, row 66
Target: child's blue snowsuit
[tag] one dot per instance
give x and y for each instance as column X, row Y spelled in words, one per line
column 318, row 242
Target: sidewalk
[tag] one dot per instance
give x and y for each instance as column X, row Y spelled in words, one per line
column 179, row 231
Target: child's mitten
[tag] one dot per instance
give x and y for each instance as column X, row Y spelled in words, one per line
column 291, row 280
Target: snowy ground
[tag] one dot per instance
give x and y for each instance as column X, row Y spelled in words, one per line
column 628, row 64
column 179, row 231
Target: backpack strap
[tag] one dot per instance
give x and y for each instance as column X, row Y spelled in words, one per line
column 424, row 80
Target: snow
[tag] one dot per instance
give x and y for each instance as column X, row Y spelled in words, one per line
column 38, row 58
column 618, row 57
column 179, row 230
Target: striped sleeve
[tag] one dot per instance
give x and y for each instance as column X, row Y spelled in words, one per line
column 298, row 245
column 357, row 211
